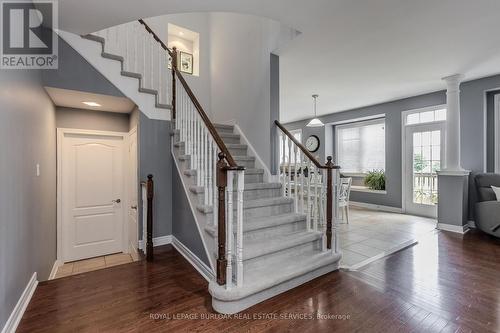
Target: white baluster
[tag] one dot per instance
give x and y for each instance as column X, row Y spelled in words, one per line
column 283, row 165
column 143, row 46
column 202, row 156
column 126, row 62
column 210, row 169
column 239, row 229
column 336, row 217
column 160, row 71
column 229, row 230
column 295, row 179
column 309, row 195
column 301, row 158
column 214, row 177
column 289, row 189
column 197, row 149
column 315, row 200
column 322, row 209
column 151, row 67
column 206, row 165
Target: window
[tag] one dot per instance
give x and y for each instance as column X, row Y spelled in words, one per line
column 428, row 116
column 297, row 134
column 361, row 146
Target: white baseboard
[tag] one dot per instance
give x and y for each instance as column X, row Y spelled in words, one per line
column 381, row 208
column 157, row 241
column 471, row 224
column 196, row 262
column 22, row 304
column 453, row 228
column 55, row 267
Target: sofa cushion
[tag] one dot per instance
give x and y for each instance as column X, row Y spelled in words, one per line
column 497, row 192
column 484, row 181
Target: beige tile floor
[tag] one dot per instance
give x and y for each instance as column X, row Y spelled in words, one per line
column 93, row 264
column 371, row 235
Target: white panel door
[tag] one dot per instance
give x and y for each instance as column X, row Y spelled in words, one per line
column 91, row 195
column 133, row 227
column 424, row 155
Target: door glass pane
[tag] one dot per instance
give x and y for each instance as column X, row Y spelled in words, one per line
column 426, row 163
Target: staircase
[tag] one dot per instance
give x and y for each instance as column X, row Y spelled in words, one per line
column 262, row 238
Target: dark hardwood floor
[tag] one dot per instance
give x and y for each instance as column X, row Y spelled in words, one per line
column 446, row 283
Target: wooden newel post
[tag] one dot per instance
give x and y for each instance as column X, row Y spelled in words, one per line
column 221, row 189
column 174, row 67
column 149, row 226
column 329, row 202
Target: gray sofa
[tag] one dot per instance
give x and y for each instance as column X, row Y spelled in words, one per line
column 487, row 209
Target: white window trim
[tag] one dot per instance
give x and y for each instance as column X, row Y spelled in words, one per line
column 405, row 114
column 354, row 124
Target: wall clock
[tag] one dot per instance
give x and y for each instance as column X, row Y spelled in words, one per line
column 312, row 143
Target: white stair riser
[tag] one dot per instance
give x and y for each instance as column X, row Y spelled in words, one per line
column 309, row 247
column 277, row 230
column 252, row 194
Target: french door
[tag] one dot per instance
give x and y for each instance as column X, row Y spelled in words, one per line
column 424, row 156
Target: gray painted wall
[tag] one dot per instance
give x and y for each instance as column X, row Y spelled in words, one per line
column 155, row 158
column 392, row 111
column 473, row 133
column 27, row 202
column 184, row 225
column 76, row 73
column 92, row 120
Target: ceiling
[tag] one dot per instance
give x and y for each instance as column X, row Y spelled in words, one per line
column 74, row 99
column 351, row 53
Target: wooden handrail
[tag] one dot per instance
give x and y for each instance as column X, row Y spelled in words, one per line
column 304, row 150
column 209, row 124
column 211, row 128
column 155, row 36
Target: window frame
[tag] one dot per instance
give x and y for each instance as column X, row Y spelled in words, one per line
column 357, row 124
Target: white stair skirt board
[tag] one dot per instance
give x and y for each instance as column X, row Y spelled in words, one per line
column 459, row 229
column 381, row 208
column 196, row 262
column 194, row 211
column 111, row 70
column 22, row 304
column 157, row 241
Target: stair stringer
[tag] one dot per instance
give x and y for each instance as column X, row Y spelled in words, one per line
column 111, row 69
column 202, row 220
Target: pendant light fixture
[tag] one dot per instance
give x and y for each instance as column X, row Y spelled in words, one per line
column 315, row 122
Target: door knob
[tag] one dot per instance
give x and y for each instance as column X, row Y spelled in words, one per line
column 134, row 207
column 117, row 201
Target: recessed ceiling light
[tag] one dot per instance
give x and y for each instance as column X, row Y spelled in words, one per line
column 92, row 104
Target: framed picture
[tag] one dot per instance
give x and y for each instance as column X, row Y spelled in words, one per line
column 186, row 62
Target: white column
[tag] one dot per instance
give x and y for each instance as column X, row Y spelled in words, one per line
column 452, row 160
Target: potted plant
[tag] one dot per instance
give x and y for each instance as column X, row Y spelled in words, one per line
column 375, row 180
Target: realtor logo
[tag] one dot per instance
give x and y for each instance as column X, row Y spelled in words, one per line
column 28, row 38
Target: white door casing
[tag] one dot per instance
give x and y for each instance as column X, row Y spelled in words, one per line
column 419, row 201
column 133, row 215
column 90, row 193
